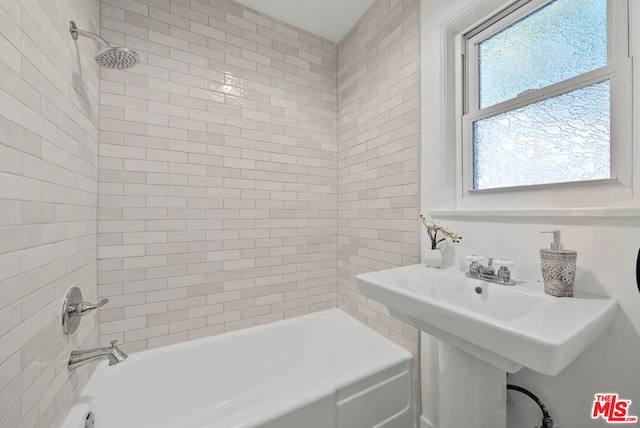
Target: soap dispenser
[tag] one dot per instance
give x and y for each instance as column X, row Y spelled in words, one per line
column 558, row 268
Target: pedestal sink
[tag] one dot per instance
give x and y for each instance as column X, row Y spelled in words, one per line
column 491, row 329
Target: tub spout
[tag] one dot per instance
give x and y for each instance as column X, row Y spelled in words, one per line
column 113, row 353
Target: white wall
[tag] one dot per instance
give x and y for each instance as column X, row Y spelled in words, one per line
column 607, row 249
column 378, row 158
column 378, row 169
column 48, row 202
column 217, row 183
column 218, row 179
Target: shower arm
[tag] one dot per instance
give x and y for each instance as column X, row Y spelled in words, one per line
column 75, row 32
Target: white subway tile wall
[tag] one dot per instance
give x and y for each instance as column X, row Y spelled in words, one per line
column 244, row 172
column 48, row 203
column 218, row 172
column 378, row 162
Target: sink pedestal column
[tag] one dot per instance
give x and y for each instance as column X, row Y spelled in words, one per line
column 470, row 392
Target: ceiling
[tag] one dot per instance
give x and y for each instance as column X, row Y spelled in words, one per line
column 331, row 19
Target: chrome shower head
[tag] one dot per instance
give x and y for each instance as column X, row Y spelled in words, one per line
column 117, row 57
column 114, row 57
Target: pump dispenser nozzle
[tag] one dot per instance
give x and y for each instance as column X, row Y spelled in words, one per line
column 556, row 245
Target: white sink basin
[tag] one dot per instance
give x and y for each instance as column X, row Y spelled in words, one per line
column 509, row 327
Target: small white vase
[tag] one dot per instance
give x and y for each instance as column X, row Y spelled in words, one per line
column 432, row 258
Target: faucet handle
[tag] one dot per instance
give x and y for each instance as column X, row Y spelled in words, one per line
column 503, row 273
column 114, row 343
column 86, row 307
column 474, row 258
column 503, row 263
column 74, row 307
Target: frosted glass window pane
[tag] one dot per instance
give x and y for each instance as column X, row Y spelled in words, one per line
column 565, row 138
column 561, row 40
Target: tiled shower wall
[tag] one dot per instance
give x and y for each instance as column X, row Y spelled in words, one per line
column 378, row 161
column 218, row 179
column 219, row 172
column 48, row 202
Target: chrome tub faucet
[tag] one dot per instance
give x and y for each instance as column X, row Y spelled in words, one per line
column 113, row 353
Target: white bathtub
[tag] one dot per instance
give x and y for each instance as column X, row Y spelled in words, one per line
column 321, row 370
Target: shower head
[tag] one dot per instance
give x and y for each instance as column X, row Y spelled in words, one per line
column 115, row 57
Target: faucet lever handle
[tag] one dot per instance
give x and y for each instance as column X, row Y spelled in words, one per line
column 504, row 263
column 86, row 307
column 114, row 343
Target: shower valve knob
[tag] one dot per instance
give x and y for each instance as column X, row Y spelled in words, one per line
column 74, row 307
column 86, row 307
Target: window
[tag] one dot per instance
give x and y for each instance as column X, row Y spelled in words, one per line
column 543, row 98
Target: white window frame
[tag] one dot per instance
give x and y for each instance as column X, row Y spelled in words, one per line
column 610, row 192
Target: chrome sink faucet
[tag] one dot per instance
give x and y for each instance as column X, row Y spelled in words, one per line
column 488, row 272
column 113, row 353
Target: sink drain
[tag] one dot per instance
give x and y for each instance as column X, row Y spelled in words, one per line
column 479, row 290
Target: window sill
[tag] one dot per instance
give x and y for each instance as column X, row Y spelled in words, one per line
column 546, row 213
